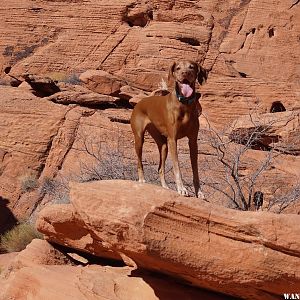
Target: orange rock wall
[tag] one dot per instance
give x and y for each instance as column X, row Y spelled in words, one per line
column 249, row 47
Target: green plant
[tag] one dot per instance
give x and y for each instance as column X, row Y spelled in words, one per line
column 18, row 238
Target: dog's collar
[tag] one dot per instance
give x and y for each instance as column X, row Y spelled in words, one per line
column 186, row 100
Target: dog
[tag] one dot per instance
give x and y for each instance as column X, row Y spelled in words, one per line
column 169, row 118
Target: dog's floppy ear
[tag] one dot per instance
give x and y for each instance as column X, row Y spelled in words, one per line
column 202, row 75
column 171, row 80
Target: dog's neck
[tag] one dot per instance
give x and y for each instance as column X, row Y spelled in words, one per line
column 186, row 100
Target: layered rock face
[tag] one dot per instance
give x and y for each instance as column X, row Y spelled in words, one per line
column 71, row 72
column 28, row 128
column 121, row 52
column 249, row 255
column 43, row 272
column 249, row 46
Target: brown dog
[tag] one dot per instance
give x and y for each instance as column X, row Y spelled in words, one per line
column 169, row 118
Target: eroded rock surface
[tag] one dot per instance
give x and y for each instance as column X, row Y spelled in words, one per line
column 242, row 254
column 123, row 51
column 28, row 126
column 250, row 47
column 43, row 272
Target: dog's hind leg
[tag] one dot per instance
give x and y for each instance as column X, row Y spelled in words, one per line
column 162, row 162
column 193, row 145
column 138, row 126
column 162, row 145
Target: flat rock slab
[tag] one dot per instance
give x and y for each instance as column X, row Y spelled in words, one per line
column 42, row 272
column 246, row 254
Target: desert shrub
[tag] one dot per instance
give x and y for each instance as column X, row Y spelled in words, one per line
column 57, row 76
column 228, row 174
column 28, row 182
column 57, row 189
column 110, row 165
column 65, row 77
column 18, row 238
column 63, row 199
column 72, row 79
column 284, row 200
column 105, row 163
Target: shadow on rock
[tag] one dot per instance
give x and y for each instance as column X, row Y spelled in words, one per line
column 7, row 218
column 161, row 284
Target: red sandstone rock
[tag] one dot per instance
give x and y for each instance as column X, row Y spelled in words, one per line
column 243, row 254
column 39, row 272
column 280, row 130
column 29, row 124
column 95, row 283
column 82, row 98
column 128, row 92
column 136, row 44
column 249, row 47
column 6, row 259
column 101, row 82
column 39, row 252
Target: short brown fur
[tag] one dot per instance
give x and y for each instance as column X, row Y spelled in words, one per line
column 167, row 120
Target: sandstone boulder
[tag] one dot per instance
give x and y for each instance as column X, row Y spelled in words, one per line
column 6, row 259
column 94, row 283
column 42, row 272
column 41, row 86
column 246, row 254
column 129, row 92
column 83, row 98
column 39, row 252
column 101, row 82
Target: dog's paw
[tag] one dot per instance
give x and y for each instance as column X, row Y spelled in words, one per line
column 183, row 191
column 200, row 195
column 142, row 181
column 165, row 186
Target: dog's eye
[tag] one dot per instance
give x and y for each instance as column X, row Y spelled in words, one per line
column 177, row 68
column 192, row 67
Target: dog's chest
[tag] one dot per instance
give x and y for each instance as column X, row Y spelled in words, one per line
column 184, row 120
column 183, row 115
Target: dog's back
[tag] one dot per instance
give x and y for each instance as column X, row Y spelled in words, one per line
column 165, row 113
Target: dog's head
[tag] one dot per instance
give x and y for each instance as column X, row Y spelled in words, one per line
column 185, row 73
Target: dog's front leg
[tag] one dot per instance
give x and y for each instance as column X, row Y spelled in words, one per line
column 193, row 145
column 172, row 145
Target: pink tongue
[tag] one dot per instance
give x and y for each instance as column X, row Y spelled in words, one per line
column 186, row 90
